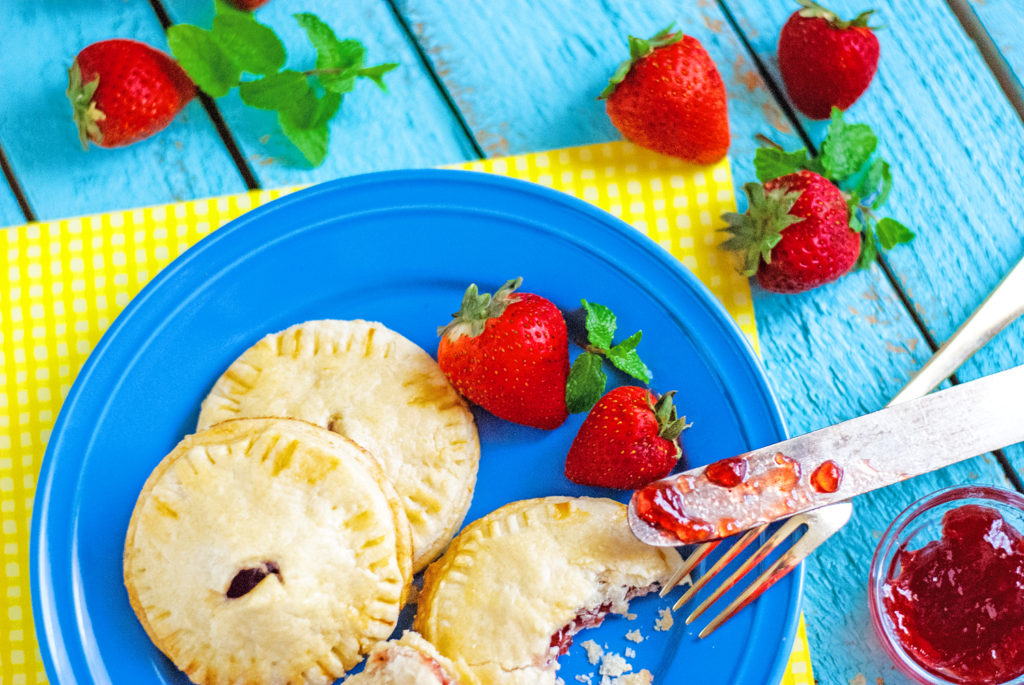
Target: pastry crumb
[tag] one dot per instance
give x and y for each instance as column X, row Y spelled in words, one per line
column 643, row 677
column 613, row 664
column 635, row 636
column 630, row 653
column 630, row 617
column 583, row 679
column 664, row 621
column 594, row 651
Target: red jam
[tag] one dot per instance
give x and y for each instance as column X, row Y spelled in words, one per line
column 727, row 472
column 827, row 477
column 661, row 505
column 561, row 641
column 958, row 602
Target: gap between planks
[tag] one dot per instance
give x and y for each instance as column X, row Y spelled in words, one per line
column 990, row 52
column 414, row 42
column 16, row 189
column 1012, row 95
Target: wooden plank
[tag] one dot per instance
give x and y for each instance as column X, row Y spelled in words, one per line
column 10, row 212
column 1001, row 21
column 834, row 353
column 184, row 161
column 955, row 148
column 411, row 126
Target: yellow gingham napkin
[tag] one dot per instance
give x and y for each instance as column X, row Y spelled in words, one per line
column 65, row 281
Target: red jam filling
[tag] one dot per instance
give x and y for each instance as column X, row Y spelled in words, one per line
column 827, row 477
column 958, row 602
column 727, row 472
column 562, row 640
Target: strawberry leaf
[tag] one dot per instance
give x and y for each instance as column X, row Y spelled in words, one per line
column 277, row 92
column 771, row 162
column 625, row 358
column 601, row 324
column 585, row 384
column 892, row 233
column 757, row 231
column 203, row 59
column 638, row 49
column 846, row 148
column 376, row 73
column 253, row 47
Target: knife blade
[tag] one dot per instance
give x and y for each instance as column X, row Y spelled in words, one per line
column 832, row 464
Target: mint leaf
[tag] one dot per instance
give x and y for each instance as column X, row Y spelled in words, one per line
column 326, row 108
column 376, row 73
column 305, row 124
column 626, row 359
column 892, row 233
column 846, row 148
column 277, row 91
column 203, row 59
column 224, row 8
column 601, row 324
column 883, row 194
column 771, row 163
column 331, row 53
column 868, row 249
column 253, row 47
column 310, row 140
column 585, row 384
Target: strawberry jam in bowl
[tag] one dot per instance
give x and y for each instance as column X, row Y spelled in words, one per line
column 946, row 590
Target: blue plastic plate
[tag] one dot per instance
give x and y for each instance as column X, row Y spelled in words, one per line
column 400, row 248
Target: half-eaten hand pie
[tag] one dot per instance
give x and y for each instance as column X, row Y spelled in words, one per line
column 409, row 660
column 514, row 586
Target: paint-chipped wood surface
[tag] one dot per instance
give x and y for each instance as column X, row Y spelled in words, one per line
column 509, row 76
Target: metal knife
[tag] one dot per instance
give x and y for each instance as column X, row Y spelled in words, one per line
column 832, row 464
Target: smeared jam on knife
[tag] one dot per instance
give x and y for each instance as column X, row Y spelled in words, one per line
column 663, row 503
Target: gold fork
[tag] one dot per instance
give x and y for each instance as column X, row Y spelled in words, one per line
column 1004, row 304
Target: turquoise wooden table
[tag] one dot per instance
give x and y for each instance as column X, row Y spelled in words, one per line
column 494, row 77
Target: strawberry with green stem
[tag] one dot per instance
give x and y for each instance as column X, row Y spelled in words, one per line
column 629, row 439
column 826, row 61
column 795, row 244
column 509, row 354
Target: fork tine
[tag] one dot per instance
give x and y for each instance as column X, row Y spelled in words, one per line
column 764, row 550
column 729, row 555
column 696, row 556
column 831, row 518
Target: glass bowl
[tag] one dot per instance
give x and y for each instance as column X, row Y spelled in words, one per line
column 915, row 527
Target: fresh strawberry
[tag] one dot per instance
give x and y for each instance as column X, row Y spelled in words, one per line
column 123, row 91
column 249, row 5
column 795, row 234
column 669, row 97
column 628, row 439
column 509, row 354
column 825, row 61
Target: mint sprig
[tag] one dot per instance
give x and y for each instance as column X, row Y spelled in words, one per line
column 587, row 378
column 238, row 51
column 847, row 159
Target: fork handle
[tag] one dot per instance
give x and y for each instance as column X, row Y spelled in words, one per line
column 1004, row 304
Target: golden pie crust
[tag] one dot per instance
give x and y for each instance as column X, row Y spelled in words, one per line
column 375, row 387
column 309, row 512
column 410, row 660
column 512, row 580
